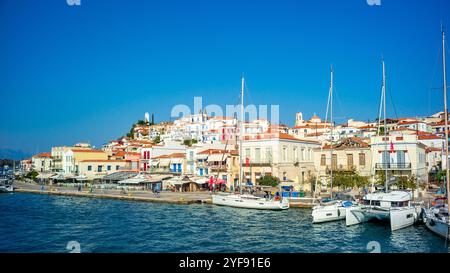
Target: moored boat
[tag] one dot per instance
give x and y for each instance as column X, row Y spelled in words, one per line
column 394, row 207
column 247, row 201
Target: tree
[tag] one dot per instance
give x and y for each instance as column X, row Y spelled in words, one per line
column 269, row 180
column 407, row 183
column 189, row 142
column 141, row 122
column 32, row 174
column 157, row 140
column 380, row 178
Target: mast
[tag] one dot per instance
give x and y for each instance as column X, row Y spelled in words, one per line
column 385, row 127
column 331, row 132
column 241, row 174
column 446, row 117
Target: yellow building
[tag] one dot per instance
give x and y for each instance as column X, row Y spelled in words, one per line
column 72, row 157
column 97, row 168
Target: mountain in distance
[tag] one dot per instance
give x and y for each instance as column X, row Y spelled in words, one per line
column 13, row 154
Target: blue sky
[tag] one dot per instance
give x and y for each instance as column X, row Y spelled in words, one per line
column 86, row 73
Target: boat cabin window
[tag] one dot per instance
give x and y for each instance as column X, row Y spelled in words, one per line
column 399, row 204
column 371, row 202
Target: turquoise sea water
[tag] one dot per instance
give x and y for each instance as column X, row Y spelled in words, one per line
column 46, row 223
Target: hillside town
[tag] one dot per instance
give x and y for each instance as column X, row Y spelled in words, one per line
column 192, row 151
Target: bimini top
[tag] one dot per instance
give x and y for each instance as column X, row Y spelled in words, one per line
column 392, row 196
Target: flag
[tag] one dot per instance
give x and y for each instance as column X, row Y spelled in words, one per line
column 392, row 147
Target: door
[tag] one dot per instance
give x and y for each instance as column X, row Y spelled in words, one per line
column 401, row 159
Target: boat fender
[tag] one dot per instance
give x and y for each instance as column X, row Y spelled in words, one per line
column 432, row 223
column 339, row 212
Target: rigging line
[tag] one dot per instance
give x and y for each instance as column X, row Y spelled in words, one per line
column 393, row 105
column 249, row 95
column 433, row 78
column 380, row 111
column 344, row 117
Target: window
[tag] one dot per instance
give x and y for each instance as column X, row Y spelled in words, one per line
column 89, row 168
column 334, row 162
column 302, row 154
column 362, row 159
column 247, row 153
column 117, row 167
column 99, row 168
column 257, row 155
column 350, row 160
column 284, row 155
column 295, row 155
column 269, row 155
column 323, row 160
column 108, row 167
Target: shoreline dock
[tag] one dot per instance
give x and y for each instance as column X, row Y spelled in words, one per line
column 180, row 198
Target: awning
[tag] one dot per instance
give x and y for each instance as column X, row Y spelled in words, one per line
column 164, row 162
column 176, row 161
column 154, row 163
column 45, row 175
column 217, row 158
column 201, row 181
column 138, row 179
column 201, row 156
column 81, row 178
column 288, row 184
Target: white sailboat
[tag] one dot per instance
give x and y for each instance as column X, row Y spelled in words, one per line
column 336, row 209
column 247, row 201
column 392, row 206
column 437, row 218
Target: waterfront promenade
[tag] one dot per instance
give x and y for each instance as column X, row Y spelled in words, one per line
column 184, row 198
column 144, row 196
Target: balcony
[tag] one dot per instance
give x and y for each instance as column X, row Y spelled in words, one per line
column 257, row 164
column 393, row 166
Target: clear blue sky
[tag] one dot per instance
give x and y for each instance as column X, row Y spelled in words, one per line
column 86, row 73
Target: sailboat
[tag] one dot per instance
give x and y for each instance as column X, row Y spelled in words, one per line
column 437, row 218
column 392, row 206
column 336, row 209
column 241, row 200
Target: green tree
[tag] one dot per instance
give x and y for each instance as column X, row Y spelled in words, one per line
column 269, row 180
column 189, row 142
column 407, row 183
column 157, row 140
column 380, row 178
column 142, row 122
column 32, row 174
column 349, row 179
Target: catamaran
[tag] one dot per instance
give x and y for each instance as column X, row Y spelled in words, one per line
column 248, row 201
column 437, row 218
column 333, row 210
column 392, row 206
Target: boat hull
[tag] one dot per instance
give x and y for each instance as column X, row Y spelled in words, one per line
column 331, row 213
column 398, row 218
column 437, row 226
column 237, row 201
column 6, row 189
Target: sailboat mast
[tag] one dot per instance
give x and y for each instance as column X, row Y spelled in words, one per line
column 444, row 71
column 331, row 133
column 387, row 156
column 241, row 174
